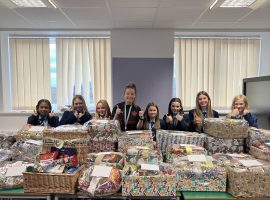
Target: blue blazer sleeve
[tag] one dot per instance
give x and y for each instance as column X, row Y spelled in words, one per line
column 191, row 121
column 68, row 118
column 86, row 117
column 251, row 119
column 53, row 121
column 33, row 120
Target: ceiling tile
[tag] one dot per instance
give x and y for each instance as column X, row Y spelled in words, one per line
column 133, row 14
column 133, row 24
column 95, row 24
column 258, row 15
column 80, row 3
column 189, row 4
column 133, row 3
column 84, row 14
column 170, row 24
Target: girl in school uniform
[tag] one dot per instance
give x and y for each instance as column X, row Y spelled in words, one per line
column 127, row 112
column 78, row 113
column 203, row 110
column 103, row 110
column 43, row 115
column 240, row 110
column 176, row 119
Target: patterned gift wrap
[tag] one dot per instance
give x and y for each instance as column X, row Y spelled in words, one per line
column 167, row 138
column 7, row 181
column 179, row 150
column 26, row 133
column 100, row 186
column 257, row 137
column 5, row 155
column 218, row 145
column 103, row 130
column 139, row 156
column 261, row 152
column 135, row 138
column 200, row 176
column 26, row 150
column 226, row 128
column 95, row 147
column 7, row 139
column 160, row 185
column 114, row 159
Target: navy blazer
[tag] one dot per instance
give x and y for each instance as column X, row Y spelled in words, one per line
column 69, row 118
column 182, row 125
column 52, row 121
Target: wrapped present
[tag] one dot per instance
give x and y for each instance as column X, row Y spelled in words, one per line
column 199, row 173
column 26, row 150
column 32, row 132
column 7, row 139
column 219, row 145
column 105, row 146
column 11, row 174
column 135, row 138
column 114, row 159
column 257, row 137
column 261, row 152
column 100, row 180
column 160, row 182
column 180, row 150
column 5, row 155
column 226, row 128
column 167, row 138
column 103, row 130
column 143, row 155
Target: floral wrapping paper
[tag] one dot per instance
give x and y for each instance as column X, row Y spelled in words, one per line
column 5, row 155
column 261, row 152
column 26, row 150
column 24, row 133
column 200, row 176
column 218, row 145
column 245, row 181
column 7, row 182
column 257, row 137
column 103, row 130
column 7, row 139
column 100, row 186
column 114, row 159
column 139, row 156
column 167, row 138
column 180, row 150
column 226, row 128
column 96, row 147
column 142, row 138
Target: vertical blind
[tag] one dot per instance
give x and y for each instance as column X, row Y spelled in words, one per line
column 217, row 66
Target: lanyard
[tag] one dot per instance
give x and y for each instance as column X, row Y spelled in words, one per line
column 127, row 117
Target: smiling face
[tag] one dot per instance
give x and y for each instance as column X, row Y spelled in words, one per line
column 129, row 96
column 175, row 107
column 78, row 105
column 152, row 112
column 240, row 105
column 203, row 101
column 43, row 109
column 101, row 110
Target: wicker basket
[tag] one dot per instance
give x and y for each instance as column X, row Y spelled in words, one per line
column 24, row 133
column 73, row 139
column 259, row 153
column 51, row 183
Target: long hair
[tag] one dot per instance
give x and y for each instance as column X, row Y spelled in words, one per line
column 181, row 111
column 107, row 108
column 198, row 109
column 44, row 101
column 82, row 99
column 147, row 118
column 240, row 97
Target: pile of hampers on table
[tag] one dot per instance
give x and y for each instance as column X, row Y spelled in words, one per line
column 98, row 159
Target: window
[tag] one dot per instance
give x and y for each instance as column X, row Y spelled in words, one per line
column 215, row 65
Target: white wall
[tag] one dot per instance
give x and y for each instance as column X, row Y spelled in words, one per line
column 265, row 54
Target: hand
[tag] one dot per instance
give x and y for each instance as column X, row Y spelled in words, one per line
column 141, row 113
column 198, row 120
column 118, row 111
column 235, row 112
column 180, row 117
column 80, row 115
column 246, row 111
column 35, row 113
column 51, row 114
column 169, row 119
column 76, row 114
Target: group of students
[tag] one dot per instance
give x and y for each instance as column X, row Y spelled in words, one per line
column 132, row 117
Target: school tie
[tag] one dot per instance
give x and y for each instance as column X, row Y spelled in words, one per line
column 152, row 124
column 175, row 120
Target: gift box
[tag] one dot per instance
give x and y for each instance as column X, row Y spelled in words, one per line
column 94, row 184
column 257, row 137
column 7, row 139
column 219, row 145
column 261, row 152
column 135, row 138
column 103, row 130
column 180, row 150
column 32, row 132
column 5, row 155
column 199, row 175
column 114, row 159
column 167, row 138
column 105, row 146
column 226, row 128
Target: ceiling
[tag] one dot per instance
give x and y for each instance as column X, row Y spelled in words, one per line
column 122, row 14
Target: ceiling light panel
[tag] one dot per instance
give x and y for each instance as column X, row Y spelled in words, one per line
column 29, row 3
column 237, row 3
